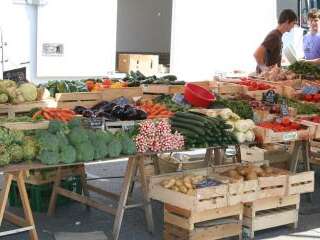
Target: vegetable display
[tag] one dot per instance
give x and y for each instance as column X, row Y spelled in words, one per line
column 61, row 114
column 315, row 119
column 284, row 125
column 252, row 172
column 240, row 107
column 135, row 79
column 278, row 74
column 254, row 85
column 65, row 86
column 157, row 136
column 173, row 106
column 202, row 131
column 302, row 108
column 155, row 110
column 111, row 111
column 308, row 70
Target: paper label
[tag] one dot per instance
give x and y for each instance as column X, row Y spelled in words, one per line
column 290, row 136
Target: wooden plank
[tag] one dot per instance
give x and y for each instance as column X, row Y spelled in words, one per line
column 112, row 195
column 217, row 232
column 171, row 89
column 272, row 186
column 85, row 200
column 12, row 218
column 301, row 183
column 4, row 194
column 25, row 125
column 185, row 223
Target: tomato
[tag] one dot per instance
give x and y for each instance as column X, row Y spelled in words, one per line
column 308, row 97
column 316, row 97
column 286, row 121
column 295, row 126
column 252, row 88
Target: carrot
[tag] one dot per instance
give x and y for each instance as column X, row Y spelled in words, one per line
column 46, row 115
column 39, row 113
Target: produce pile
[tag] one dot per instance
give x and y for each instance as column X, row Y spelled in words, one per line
column 307, row 70
column 240, row 107
column 69, row 143
column 186, row 184
column 157, row 136
column 100, row 85
column 203, row 131
column 155, row 110
column 254, row 85
column 278, row 74
column 174, row 103
column 310, row 94
column 302, row 108
column 282, row 125
column 112, row 111
column 10, row 92
column 252, row 172
column 62, row 114
column 16, row 147
column 315, row 119
column 135, row 79
column 65, row 86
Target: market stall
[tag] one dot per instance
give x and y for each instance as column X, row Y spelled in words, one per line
column 234, row 187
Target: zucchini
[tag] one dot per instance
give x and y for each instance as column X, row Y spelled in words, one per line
column 187, row 132
column 195, row 129
column 187, row 120
column 170, row 77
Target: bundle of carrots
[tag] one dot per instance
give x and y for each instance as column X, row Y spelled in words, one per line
column 61, row 114
column 155, row 110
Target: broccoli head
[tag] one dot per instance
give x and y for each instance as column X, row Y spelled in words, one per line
column 85, row 152
column 16, row 153
column 67, row 154
column 78, row 136
column 4, row 159
column 5, row 136
column 49, row 157
column 114, row 148
column 74, row 123
column 48, row 141
column 30, row 148
column 17, row 136
column 100, row 150
column 128, row 145
column 62, row 138
column 56, row 126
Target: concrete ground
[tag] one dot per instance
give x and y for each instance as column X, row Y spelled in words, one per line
column 74, row 217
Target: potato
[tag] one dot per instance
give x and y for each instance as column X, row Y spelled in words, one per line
column 268, row 170
column 251, row 176
column 257, row 169
column 170, row 183
column 232, row 173
column 179, row 182
column 241, row 171
column 183, row 189
column 191, row 192
column 261, row 174
column 175, row 188
column 187, row 183
column 238, row 178
column 196, row 180
column 164, row 183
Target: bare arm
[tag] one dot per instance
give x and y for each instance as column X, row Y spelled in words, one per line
column 259, row 55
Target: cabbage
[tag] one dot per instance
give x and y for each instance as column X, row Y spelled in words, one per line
column 18, row 98
column 29, row 91
column 250, row 136
column 244, row 125
column 7, row 84
column 241, row 137
column 225, row 113
column 4, row 98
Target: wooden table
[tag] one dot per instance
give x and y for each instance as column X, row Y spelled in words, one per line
column 17, row 172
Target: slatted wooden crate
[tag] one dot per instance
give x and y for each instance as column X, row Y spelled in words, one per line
column 272, row 186
column 204, row 198
column 12, row 109
column 89, row 99
column 228, row 88
column 299, row 183
column 171, row 89
column 25, row 125
column 209, row 224
column 271, row 212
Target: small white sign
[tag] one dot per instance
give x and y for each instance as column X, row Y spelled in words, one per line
column 52, row 49
column 290, row 136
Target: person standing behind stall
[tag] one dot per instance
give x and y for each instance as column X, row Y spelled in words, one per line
column 269, row 53
column 311, row 41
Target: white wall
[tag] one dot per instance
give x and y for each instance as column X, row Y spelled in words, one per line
column 218, row 37
column 140, row 28
column 287, row 4
column 18, row 23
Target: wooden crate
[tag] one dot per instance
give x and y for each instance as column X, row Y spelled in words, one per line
column 264, row 135
column 299, row 183
column 12, row 109
column 189, row 220
column 25, row 125
column 222, row 231
column 228, row 88
column 266, row 116
column 85, row 99
column 314, row 128
column 251, row 154
column 146, row 64
column 271, row 212
column 275, row 186
column 89, row 99
column 171, row 89
column 204, row 199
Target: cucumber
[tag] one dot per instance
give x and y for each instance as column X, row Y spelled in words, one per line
column 195, row 129
column 192, row 116
column 187, row 121
column 187, row 132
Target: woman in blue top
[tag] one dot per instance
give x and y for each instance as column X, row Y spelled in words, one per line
column 311, row 41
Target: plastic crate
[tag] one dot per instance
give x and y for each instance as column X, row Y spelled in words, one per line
column 39, row 195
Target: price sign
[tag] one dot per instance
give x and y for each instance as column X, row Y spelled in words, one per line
column 284, row 110
column 95, row 122
column 270, row 97
column 290, row 136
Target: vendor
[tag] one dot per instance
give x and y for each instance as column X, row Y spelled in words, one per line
column 311, row 41
column 269, row 53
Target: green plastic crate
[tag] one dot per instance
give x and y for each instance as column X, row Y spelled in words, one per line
column 39, row 195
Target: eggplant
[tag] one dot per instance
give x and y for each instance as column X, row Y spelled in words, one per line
column 88, row 114
column 121, row 101
column 79, row 109
column 141, row 115
column 99, row 105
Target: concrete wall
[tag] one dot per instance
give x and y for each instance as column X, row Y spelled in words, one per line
column 144, row 25
column 284, row 4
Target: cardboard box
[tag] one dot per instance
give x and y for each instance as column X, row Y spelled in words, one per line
column 146, row 64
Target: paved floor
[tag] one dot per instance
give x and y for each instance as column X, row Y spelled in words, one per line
column 74, row 217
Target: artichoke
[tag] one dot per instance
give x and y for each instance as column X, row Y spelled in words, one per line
column 4, row 159
column 4, row 98
column 5, row 136
column 16, row 153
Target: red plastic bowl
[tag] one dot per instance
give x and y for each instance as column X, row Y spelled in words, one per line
column 198, row 96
